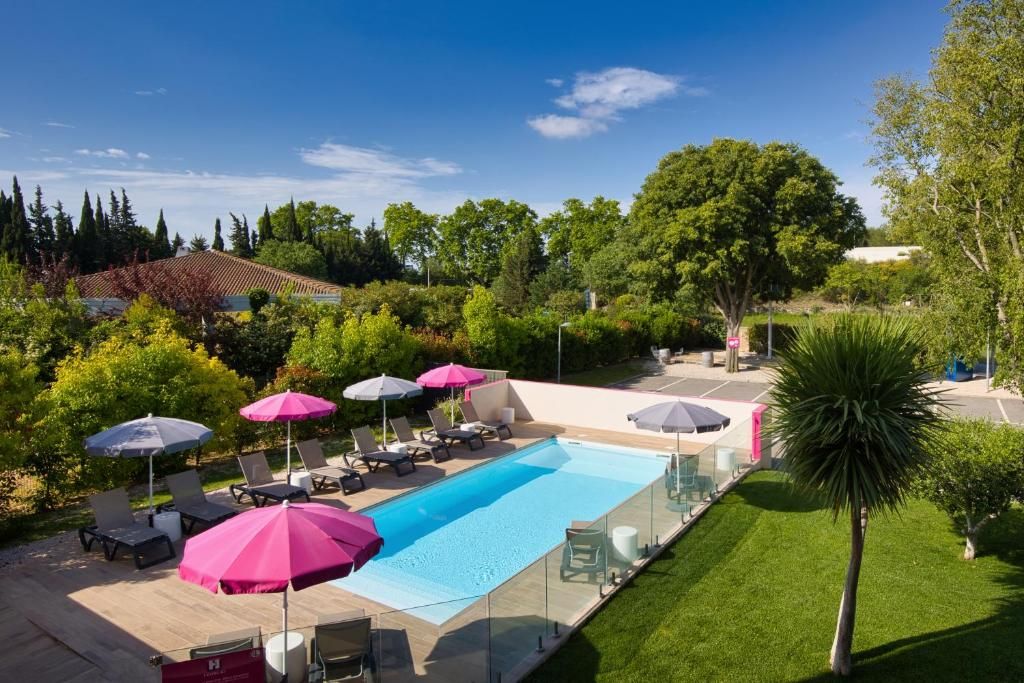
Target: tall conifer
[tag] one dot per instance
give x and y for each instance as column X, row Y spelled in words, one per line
column 264, row 226
column 88, row 249
column 218, row 241
column 161, row 244
column 64, row 234
column 239, row 237
column 16, row 243
column 42, row 225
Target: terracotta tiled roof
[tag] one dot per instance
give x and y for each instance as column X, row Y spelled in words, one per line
column 231, row 275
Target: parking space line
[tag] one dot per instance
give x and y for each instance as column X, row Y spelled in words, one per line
column 714, row 390
column 754, row 400
column 999, row 402
column 671, row 384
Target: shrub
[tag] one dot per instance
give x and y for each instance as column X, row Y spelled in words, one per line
column 258, row 298
column 782, row 335
column 18, row 388
column 295, row 257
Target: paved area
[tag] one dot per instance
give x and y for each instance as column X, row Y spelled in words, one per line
column 753, row 383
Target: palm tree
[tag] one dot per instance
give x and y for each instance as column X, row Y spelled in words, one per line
column 854, row 412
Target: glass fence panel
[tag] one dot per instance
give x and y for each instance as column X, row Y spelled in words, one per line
column 629, row 531
column 577, row 571
column 669, row 507
column 733, row 449
column 518, row 617
column 411, row 645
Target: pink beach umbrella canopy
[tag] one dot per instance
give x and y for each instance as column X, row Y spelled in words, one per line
column 263, row 550
column 286, row 407
column 448, row 377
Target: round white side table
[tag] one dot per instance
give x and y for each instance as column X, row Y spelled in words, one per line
column 296, row 656
column 508, row 415
column 624, row 540
column 170, row 523
column 725, row 459
column 302, row 480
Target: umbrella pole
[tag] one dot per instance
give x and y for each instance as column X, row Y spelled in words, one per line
column 453, row 405
column 288, row 453
column 678, row 473
column 384, row 423
column 284, row 659
column 151, row 489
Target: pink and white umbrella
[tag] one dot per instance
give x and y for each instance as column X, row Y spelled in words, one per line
column 285, row 407
column 448, row 377
column 263, row 550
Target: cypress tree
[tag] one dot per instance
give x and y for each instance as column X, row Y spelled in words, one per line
column 293, row 233
column 42, row 225
column 64, row 234
column 88, row 249
column 161, row 245
column 16, row 243
column 252, row 234
column 5, row 215
column 265, row 227
column 104, row 252
column 177, row 243
column 379, row 262
column 135, row 237
column 218, row 241
column 239, row 237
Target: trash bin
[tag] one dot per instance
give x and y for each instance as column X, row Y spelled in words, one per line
column 707, row 359
column 664, row 356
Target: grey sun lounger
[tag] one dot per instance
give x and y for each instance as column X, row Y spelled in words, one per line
column 496, row 427
column 260, row 485
column 435, row 448
column 584, row 552
column 226, row 643
column 322, row 472
column 116, row 528
column 370, row 454
column 190, row 502
column 444, row 430
column 342, row 648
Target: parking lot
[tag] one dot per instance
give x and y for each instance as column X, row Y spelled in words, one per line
column 996, row 409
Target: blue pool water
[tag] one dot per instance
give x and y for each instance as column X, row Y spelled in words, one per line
column 459, row 538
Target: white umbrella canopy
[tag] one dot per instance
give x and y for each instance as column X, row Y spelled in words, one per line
column 146, row 437
column 383, row 389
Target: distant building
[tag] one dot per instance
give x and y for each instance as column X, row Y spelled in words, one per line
column 880, row 254
column 229, row 274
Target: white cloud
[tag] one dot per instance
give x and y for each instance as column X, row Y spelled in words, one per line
column 555, row 82
column 562, row 127
column 108, row 153
column 150, row 93
column 366, row 161
column 4, row 133
column 57, row 124
column 141, row 155
column 56, row 160
column 598, row 98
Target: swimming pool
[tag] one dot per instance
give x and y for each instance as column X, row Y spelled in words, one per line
column 459, row 538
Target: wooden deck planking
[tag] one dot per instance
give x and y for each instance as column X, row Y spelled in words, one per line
column 108, row 619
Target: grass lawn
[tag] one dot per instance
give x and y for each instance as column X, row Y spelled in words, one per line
column 751, row 593
column 601, row 377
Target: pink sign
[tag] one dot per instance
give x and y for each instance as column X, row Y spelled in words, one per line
column 733, row 342
column 246, row 666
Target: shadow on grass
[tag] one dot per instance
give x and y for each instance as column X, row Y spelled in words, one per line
column 777, row 495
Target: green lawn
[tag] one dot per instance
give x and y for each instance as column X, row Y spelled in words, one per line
column 602, row 377
column 751, row 594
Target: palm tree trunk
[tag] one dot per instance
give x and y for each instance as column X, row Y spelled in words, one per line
column 842, row 647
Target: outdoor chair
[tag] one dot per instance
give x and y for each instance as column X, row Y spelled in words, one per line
column 584, row 552
column 116, row 527
column 260, row 485
column 189, row 501
column 321, row 472
column 444, row 430
column 370, row 454
column 682, row 482
column 496, row 427
column 435, row 448
column 226, row 643
column 342, row 649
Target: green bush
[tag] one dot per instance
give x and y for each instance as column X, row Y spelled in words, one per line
column 782, row 335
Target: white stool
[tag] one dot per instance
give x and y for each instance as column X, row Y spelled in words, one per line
column 169, row 523
column 303, row 480
column 296, row 656
column 625, row 544
column 725, row 459
column 508, row 415
column 397, row 448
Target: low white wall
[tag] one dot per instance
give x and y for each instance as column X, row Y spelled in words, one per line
column 601, row 408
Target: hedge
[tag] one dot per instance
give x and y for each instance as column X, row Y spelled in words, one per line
column 782, row 335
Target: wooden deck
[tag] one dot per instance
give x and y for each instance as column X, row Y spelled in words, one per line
column 67, row 615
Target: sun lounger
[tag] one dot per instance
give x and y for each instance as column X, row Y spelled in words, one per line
column 496, row 427
column 190, row 502
column 435, row 448
column 444, row 430
column 370, row 454
column 321, row 472
column 260, row 484
column 342, row 649
column 225, row 643
column 116, row 527
column 584, row 552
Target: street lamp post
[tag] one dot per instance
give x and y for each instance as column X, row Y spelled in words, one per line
column 559, row 375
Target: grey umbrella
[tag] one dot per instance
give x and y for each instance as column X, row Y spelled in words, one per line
column 146, row 437
column 382, row 389
column 680, row 418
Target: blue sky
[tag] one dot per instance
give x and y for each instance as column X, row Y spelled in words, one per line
column 208, row 107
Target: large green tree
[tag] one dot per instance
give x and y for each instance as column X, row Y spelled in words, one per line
column 736, row 219
column 64, row 233
column 412, row 233
column 856, row 415
column 42, row 225
column 295, row 257
column 521, row 261
column 88, row 244
column 579, row 230
column 218, row 239
column 239, row 236
column 471, row 237
column 950, row 158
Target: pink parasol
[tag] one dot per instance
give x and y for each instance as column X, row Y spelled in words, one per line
column 263, row 550
column 285, row 407
column 450, row 376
